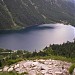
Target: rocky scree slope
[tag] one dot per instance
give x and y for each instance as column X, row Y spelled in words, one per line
column 40, row 67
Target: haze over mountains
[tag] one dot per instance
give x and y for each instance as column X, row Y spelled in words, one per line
column 23, row 13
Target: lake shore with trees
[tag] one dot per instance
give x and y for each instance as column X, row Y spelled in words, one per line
column 63, row 52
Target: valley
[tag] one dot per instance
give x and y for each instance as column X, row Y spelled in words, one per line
column 37, row 37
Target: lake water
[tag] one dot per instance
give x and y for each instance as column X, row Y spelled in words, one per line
column 37, row 37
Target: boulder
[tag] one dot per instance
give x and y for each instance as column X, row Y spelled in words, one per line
column 10, row 69
column 5, row 68
column 58, row 73
column 74, row 71
column 16, row 66
column 32, row 72
column 0, row 70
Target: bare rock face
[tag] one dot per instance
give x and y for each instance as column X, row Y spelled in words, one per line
column 74, row 71
column 40, row 67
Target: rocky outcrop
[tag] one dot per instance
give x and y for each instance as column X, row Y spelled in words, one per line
column 40, row 67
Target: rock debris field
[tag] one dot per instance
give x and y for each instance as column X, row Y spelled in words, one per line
column 40, row 67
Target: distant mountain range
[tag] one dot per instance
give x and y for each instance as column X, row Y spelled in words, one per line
column 15, row 14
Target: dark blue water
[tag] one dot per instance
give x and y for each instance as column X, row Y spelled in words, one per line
column 36, row 37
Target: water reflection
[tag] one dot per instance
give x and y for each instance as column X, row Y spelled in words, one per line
column 37, row 37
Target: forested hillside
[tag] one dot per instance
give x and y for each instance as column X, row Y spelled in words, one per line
column 65, row 52
column 23, row 13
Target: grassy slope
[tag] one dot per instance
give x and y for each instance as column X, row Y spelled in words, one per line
column 23, row 13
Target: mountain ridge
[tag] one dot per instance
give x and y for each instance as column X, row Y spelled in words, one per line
column 21, row 13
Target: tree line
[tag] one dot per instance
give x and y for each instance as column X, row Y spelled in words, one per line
column 8, row 57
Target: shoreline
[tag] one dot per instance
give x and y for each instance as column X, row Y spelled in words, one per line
column 22, row 28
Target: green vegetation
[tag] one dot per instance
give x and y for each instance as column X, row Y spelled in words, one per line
column 18, row 14
column 12, row 73
column 64, row 52
column 71, row 68
column 12, row 61
column 65, row 49
column 9, row 73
